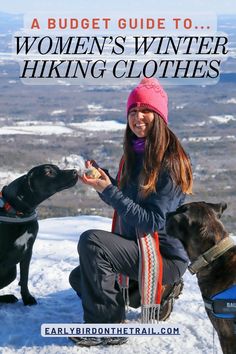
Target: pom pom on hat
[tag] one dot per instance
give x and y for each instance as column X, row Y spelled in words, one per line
column 149, row 93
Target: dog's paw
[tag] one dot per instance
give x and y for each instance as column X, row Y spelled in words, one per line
column 8, row 299
column 29, row 301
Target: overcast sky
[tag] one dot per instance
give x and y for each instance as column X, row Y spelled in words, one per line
column 127, row 7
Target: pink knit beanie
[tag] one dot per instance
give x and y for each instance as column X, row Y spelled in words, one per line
column 151, row 94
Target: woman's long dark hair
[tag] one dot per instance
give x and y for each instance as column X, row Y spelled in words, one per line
column 162, row 148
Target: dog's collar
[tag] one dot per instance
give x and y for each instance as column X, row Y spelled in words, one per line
column 8, row 214
column 18, row 219
column 7, row 207
column 209, row 256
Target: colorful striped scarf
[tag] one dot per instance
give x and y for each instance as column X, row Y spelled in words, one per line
column 150, row 269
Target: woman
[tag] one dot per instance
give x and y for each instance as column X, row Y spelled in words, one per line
column 154, row 177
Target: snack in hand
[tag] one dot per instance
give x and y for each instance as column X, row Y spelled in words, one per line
column 92, row 172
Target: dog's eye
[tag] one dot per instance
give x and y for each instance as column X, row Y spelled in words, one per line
column 49, row 172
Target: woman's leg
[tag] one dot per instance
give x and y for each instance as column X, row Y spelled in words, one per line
column 103, row 255
column 74, row 280
column 173, row 270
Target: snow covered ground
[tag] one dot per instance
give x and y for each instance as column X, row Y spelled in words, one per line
column 46, row 128
column 59, row 128
column 54, row 256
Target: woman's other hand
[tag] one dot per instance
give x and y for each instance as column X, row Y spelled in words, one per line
column 90, row 163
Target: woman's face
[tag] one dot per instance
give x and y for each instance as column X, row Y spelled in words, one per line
column 140, row 121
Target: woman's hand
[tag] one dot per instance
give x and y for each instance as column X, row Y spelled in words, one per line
column 99, row 184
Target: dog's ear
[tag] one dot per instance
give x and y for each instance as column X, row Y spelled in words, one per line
column 219, row 208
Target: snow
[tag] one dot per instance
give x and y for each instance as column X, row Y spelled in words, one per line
column 35, row 130
column 197, row 124
column 98, row 108
column 58, row 112
column 54, row 256
column 223, row 119
column 231, row 101
column 227, row 101
column 109, row 125
column 218, row 119
column 206, row 139
column 58, row 128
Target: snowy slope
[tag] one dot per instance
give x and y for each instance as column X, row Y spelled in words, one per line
column 55, row 255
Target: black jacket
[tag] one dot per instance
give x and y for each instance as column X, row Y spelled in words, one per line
column 149, row 214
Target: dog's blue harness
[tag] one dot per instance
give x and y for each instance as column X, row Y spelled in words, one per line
column 223, row 304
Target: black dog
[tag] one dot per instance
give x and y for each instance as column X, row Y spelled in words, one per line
column 19, row 225
column 213, row 258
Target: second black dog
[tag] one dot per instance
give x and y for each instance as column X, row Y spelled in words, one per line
column 19, row 225
column 213, row 259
